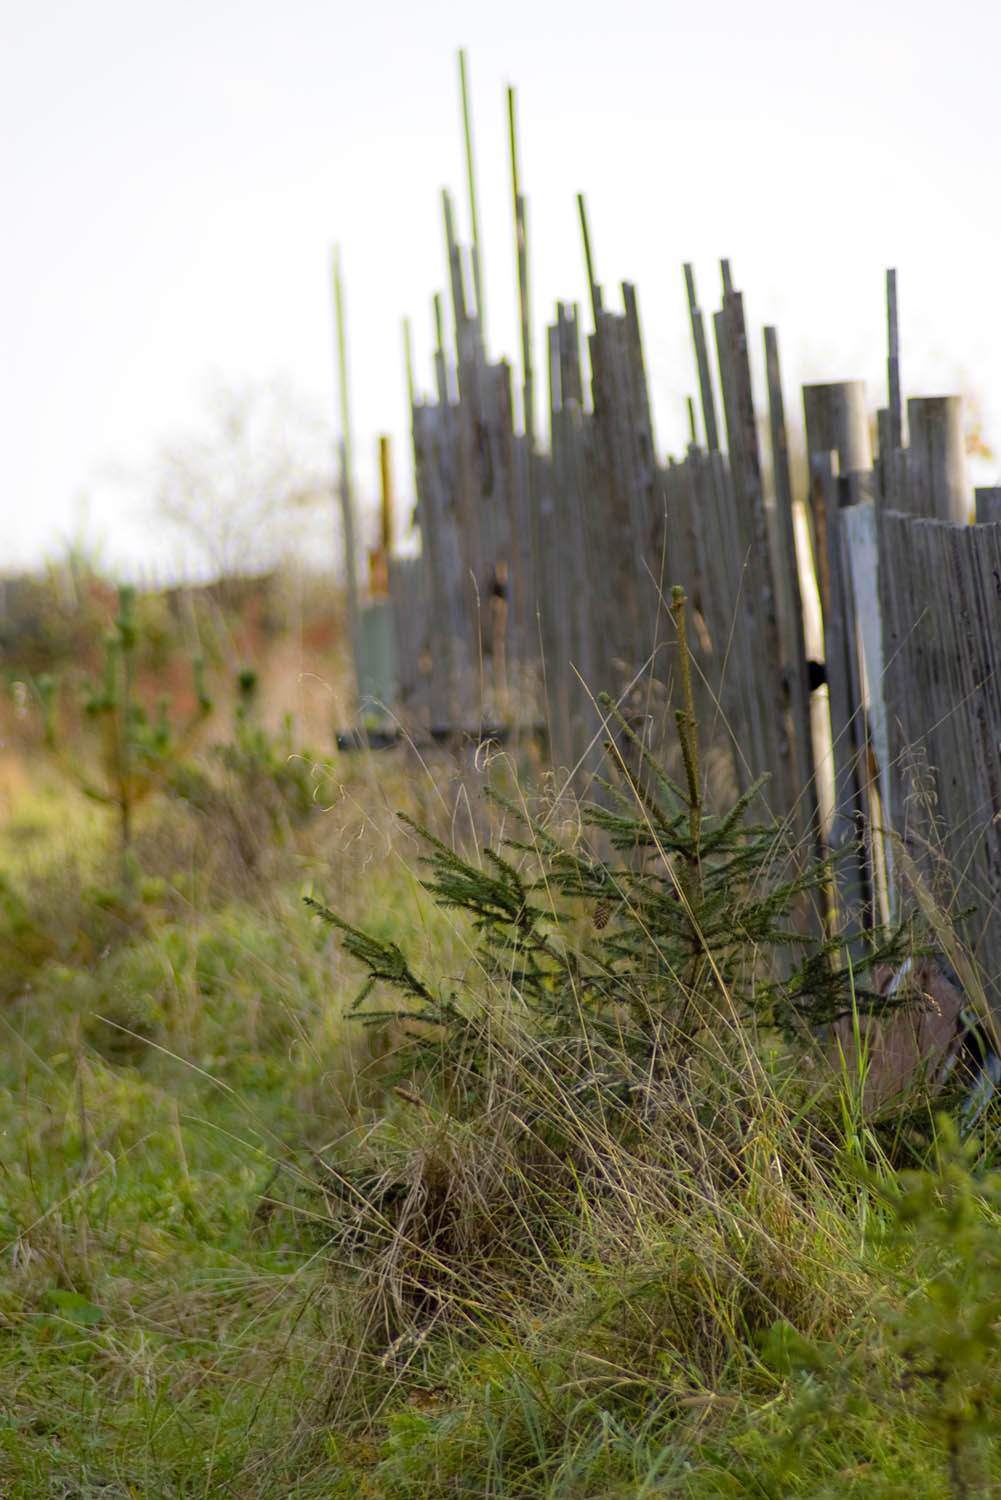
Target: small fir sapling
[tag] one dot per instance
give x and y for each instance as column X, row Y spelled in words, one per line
column 135, row 753
column 685, row 928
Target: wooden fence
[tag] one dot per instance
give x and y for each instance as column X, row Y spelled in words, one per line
column 543, row 574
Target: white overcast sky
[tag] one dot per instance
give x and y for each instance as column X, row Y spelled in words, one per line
column 174, row 176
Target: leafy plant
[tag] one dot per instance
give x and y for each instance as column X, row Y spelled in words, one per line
column 946, row 1328
column 135, row 754
column 256, row 789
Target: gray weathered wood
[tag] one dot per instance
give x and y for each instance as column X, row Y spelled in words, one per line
column 773, row 740
column 346, row 493
column 987, row 503
column 896, row 429
column 862, row 570
column 521, row 251
column 843, row 705
column 804, row 780
column 411, row 628
column 938, row 484
column 837, row 421
column 702, row 364
column 763, row 563
column 559, row 563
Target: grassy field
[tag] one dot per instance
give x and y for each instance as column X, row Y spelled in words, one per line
column 598, row 1222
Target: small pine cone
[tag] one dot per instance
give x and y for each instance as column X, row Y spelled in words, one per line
column 601, row 916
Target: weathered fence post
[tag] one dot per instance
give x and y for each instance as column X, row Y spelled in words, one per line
column 837, row 421
column 840, row 458
column 791, row 603
column 760, row 590
column 346, row 482
column 936, row 459
column 843, row 702
column 702, row 363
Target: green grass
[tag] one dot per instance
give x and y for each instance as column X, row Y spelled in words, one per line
column 166, row 1068
column 149, row 1300
column 250, row 1247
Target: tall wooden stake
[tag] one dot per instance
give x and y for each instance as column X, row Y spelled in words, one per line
column 893, row 363
column 702, row 362
column 408, row 357
column 593, row 286
column 474, row 220
column 521, row 242
column 346, row 487
column 388, row 494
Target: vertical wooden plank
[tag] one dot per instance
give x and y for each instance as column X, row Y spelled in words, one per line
column 862, row 571
column 893, row 458
column 770, row 687
column 462, row 448
column 896, row 429
column 517, row 559
column 681, row 558
column 985, row 542
column 642, row 472
column 521, row 247
column 440, row 361
column 894, row 633
column 978, row 779
column 585, row 604
column 523, row 560
column 937, row 458
column 837, row 421
column 987, row 503
column 846, row 826
column 568, row 320
column 702, row 363
column 426, row 420
column 884, row 456
column 408, row 599
column 465, row 337
column 346, row 487
column 787, row 571
column 773, row 744
column 554, row 601
column 727, row 395
column 950, row 702
column 912, row 680
column 617, row 500
column 733, row 645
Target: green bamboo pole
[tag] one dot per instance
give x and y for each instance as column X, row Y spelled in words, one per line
column 593, row 286
column 409, row 361
column 474, row 218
